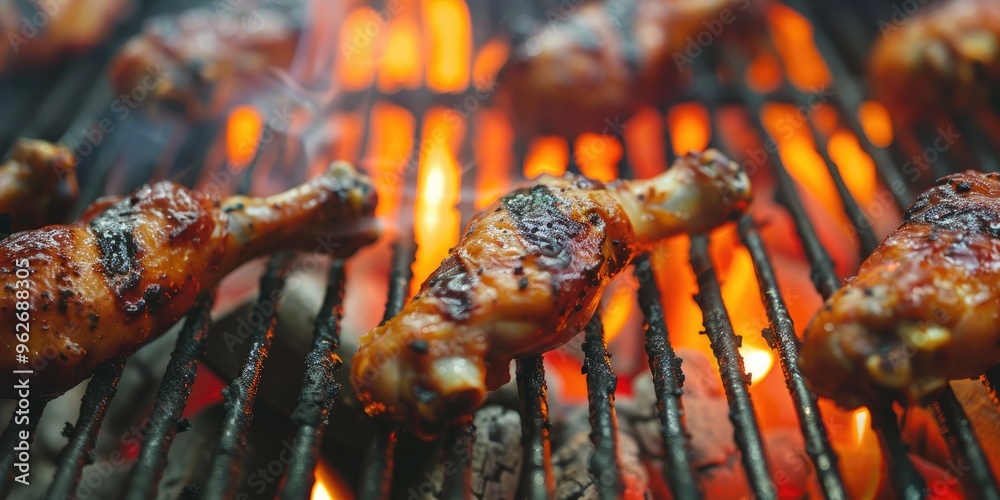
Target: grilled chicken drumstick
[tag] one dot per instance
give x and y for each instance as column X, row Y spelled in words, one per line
column 946, row 58
column 37, row 184
column 923, row 308
column 525, row 278
column 606, row 59
column 126, row 272
column 40, row 32
column 184, row 59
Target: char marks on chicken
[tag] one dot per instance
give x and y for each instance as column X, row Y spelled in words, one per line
column 133, row 266
column 525, row 278
column 37, row 184
column 201, row 59
column 924, row 306
column 945, row 58
column 593, row 68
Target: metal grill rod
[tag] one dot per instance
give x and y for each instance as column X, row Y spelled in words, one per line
column 319, row 388
column 781, row 337
column 79, row 452
column 667, row 383
column 605, row 466
column 240, row 395
column 171, row 398
column 735, row 380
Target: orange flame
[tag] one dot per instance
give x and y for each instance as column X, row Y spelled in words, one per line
column 357, row 48
column 598, row 156
column 401, row 65
column 857, row 168
column 857, row 445
column 547, row 155
column 243, row 131
column 860, row 425
column 764, row 73
column 493, row 156
column 436, row 222
column 489, row 60
column 785, row 123
column 758, row 362
column 793, row 37
column 876, row 122
column 644, row 143
column 390, row 145
column 617, row 312
column 690, row 128
column 329, row 485
column 449, row 42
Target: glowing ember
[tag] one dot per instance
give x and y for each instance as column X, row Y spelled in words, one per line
column 243, row 136
column 793, row 37
column 401, row 66
column 689, row 127
column 436, row 219
column 449, row 40
column 877, row 123
column 547, row 155
column 598, row 156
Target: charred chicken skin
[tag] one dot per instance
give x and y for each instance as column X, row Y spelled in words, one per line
column 183, row 60
column 37, row 184
column 945, row 58
column 525, row 278
column 39, row 32
column 102, row 287
column 923, row 308
column 606, row 59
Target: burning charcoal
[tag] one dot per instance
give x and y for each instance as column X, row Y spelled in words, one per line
column 496, row 459
column 571, row 465
column 714, row 453
column 496, row 456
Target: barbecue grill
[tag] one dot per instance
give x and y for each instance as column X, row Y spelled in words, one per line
column 49, row 106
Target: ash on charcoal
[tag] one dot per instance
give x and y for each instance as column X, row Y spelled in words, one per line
column 496, row 458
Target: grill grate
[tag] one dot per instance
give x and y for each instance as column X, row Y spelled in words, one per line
column 537, row 478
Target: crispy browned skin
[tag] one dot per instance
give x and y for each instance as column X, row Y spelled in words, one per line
column 183, row 60
column 125, row 273
column 39, row 32
column 945, row 58
column 593, row 68
column 923, row 308
column 37, row 184
column 525, row 278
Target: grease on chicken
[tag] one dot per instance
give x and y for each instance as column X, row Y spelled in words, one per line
column 188, row 60
column 37, row 184
column 41, row 32
column 596, row 66
column 131, row 267
column 945, row 58
column 924, row 306
column 526, row 277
